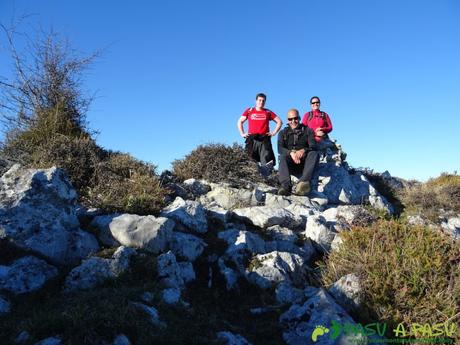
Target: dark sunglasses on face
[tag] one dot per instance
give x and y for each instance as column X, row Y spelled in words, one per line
column 315, row 103
column 293, row 119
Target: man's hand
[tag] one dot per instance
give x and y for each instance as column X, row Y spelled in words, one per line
column 300, row 154
column 271, row 134
column 319, row 132
column 294, row 157
column 244, row 135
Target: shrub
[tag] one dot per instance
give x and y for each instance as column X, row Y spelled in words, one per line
column 218, row 163
column 432, row 198
column 408, row 273
column 122, row 183
column 43, row 116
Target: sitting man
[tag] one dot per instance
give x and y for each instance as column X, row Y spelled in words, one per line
column 258, row 138
column 297, row 155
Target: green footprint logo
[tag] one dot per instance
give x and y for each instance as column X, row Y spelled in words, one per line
column 318, row 331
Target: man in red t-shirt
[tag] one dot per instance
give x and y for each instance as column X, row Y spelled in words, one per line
column 317, row 120
column 258, row 137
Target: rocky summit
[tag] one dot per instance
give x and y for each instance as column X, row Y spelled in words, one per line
column 220, row 240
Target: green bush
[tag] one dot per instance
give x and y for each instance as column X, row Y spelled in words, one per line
column 218, row 163
column 122, row 183
column 433, row 198
column 407, row 273
column 45, row 125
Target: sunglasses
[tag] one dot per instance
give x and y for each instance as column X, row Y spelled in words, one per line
column 293, row 119
column 315, row 102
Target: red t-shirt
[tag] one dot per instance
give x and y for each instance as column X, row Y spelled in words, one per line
column 259, row 120
column 318, row 121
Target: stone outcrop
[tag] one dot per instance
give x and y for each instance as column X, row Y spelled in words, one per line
column 38, row 213
column 25, row 275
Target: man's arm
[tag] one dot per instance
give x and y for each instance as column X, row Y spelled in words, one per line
column 282, row 146
column 312, row 145
column 279, row 123
column 239, row 124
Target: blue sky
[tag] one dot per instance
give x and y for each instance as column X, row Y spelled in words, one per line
column 177, row 74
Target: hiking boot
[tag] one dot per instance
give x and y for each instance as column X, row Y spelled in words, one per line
column 284, row 191
column 302, row 188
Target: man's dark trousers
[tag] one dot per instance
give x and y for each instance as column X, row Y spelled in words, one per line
column 306, row 168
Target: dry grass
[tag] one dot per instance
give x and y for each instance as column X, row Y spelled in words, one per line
column 408, row 273
column 433, row 198
column 218, row 163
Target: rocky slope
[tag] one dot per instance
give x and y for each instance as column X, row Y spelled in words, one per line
column 216, row 234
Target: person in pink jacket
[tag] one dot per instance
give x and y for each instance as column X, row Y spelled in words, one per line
column 317, row 120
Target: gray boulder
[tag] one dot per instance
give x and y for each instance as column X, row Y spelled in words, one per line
column 229, row 198
column 101, row 226
column 152, row 314
column 145, row 232
column 197, row 187
column 50, row 341
column 38, row 213
column 452, row 227
column 242, row 240
column 187, row 246
column 347, row 292
column 94, row 271
column 169, row 271
column 266, row 270
column 189, row 214
column 266, row 216
column 121, row 339
column 25, row 275
column 228, row 338
column 287, row 294
column 320, row 233
column 171, row 295
column 318, row 320
column 5, row 306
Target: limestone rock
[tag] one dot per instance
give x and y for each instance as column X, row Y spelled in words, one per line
column 346, row 292
column 318, row 231
column 50, row 341
column 228, row 338
column 25, row 275
column 452, row 227
column 152, row 314
column 287, row 294
column 269, row 269
column 171, row 295
column 266, row 216
column 169, row 271
column 146, row 232
column 121, row 339
column 300, row 322
column 38, row 213
column 94, row 271
column 187, row 246
column 187, row 213
column 229, row 198
column 197, row 187
column 238, row 240
column 101, row 226
column 5, row 306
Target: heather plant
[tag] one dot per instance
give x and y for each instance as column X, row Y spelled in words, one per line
column 218, row 163
column 43, row 114
column 433, row 198
column 407, row 273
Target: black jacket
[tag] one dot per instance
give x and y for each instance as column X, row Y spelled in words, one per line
column 296, row 139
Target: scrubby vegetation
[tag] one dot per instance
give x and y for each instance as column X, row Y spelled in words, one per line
column 407, row 273
column 43, row 113
column 434, row 198
column 218, row 163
